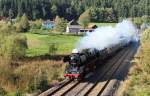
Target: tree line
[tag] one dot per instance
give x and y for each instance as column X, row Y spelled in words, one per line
column 101, row 10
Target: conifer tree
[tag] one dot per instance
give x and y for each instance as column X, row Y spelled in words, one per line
column 54, row 10
column 72, row 9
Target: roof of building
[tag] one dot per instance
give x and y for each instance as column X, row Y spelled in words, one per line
column 48, row 22
column 92, row 26
column 74, row 26
column 73, row 22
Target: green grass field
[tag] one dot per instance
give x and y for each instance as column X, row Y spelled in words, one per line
column 39, row 44
column 39, row 41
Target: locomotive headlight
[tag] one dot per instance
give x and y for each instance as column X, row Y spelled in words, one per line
column 75, row 51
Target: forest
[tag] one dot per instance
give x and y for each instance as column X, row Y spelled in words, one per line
column 101, row 10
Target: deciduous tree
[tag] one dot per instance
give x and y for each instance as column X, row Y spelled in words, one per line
column 60, row 24
column 24, row 23
column 84, row 19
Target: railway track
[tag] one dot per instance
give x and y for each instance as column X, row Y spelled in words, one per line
column 97, row 84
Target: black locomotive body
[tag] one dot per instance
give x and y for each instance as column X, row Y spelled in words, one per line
column 81, row 63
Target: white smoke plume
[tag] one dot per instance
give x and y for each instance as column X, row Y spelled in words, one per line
column 103, row 37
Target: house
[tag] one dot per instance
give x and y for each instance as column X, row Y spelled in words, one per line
column 74, row 28
column 90, row 28
column 48, row 24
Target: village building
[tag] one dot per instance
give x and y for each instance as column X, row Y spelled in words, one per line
column 74, row 28
column 90, row 28
column 48, row 24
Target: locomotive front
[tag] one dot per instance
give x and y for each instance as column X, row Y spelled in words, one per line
column 73, row 62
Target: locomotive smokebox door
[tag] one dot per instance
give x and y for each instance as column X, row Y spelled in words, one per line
column 66, row 58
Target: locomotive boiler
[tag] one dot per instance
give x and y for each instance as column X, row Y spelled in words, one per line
column 79, row 63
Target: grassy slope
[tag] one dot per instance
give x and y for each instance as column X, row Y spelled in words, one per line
column 29, row 69
column 39, row 44
column 138, row 83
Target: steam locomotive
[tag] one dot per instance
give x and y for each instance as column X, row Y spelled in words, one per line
column 78, row 64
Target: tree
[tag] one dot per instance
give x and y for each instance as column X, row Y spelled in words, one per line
column 13, row 44
column 84, row 19
column 60, row 24
column 54, row 10
column 109, row 15
column 13, row 47
column 137, row 21
column 134, row 11
column 52, row 49
column 11, row 14
column 24, row 23
column 18, row 18
column 94, row 14
column 72, row 9
column 145, row 18
column 70, row 13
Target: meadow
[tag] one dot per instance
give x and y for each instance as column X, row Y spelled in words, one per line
column 40, row 40
column 39, row 44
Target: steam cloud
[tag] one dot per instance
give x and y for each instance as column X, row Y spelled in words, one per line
column 103, row 37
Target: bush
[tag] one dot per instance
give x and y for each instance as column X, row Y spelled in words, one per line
column 2, row 92
column 42, row 81
column 18, row 93
column 39, row 82
column 52, row 49
column 37, row 24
